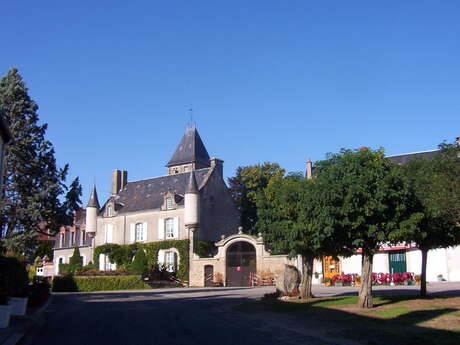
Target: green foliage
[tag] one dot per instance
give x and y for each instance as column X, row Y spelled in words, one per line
column 436, row 184
column 290, row 217
column 65, row 269
column 44, row 248
column 75, row 261
column 366, row 198
column 13, row 277
column 203, row 249
column 108, row 283
column 139, row 265
column 246, row 184
column 33, row 183
column 123, row 254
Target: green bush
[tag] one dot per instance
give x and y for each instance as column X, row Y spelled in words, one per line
column 75, row 261
column 108, row 283
column 65, row 269
column 14, row 277
column 139, row 265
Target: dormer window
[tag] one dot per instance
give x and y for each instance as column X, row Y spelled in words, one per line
column 169, row 203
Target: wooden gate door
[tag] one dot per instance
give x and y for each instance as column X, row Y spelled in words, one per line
column 331, row 267
column 397, row 261
column 208, row 275
column 241, row 262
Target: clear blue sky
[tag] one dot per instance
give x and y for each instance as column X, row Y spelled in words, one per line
column 269, row 80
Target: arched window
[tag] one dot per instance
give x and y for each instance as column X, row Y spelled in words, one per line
column 139, row 232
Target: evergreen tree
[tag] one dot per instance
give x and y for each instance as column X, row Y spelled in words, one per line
column 75, row 262
column 140, row 264
column 33, row 183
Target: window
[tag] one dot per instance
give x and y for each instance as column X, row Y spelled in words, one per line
column 83, row 237
column 62, row 240
column 72, row 241
column 169, row 228
column 109, row 211
column 108, row 233
column 169, row 203
column 139, row 232
column 171, row 261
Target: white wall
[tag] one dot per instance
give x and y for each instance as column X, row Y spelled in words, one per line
column 453, row 263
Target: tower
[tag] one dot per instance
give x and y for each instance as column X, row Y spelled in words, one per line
column 91, row 213
column 192, row 204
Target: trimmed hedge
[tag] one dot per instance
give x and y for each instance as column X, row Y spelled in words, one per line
column 123, row 255
column 102, row 283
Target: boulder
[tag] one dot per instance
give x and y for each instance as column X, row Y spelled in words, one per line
column 287, row 282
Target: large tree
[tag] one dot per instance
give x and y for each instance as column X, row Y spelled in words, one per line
column 246, row 184
column 33, row 183
column 291, row 214
column 436, row 183
column 369, row 201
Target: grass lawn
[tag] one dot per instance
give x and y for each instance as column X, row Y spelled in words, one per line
column 394, row 320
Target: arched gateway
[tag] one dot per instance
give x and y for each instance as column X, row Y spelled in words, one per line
column 241, row 263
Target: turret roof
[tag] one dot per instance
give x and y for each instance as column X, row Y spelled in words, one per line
column 93, row 200
column 191, row 186
column 190, row 150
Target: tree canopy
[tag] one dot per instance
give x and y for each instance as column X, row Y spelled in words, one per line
column 246, row 184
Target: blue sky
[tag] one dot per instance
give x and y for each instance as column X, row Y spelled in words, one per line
column 268, row 80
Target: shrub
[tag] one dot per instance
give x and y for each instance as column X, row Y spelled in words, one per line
column 14, row 277
column 39, row 292
column 75, row 261
column 107, row 283
column 64, row 269
column 139, row 265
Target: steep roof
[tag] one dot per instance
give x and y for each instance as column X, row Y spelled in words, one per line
column 149, row 194
column 93, row 200
column 190, row 150
column 406, row 157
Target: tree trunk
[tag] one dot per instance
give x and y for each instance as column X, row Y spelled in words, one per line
column 423, row 275
column 307, row 277
column 365, row 291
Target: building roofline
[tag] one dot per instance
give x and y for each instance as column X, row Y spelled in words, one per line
column 411, row 153
column 151, row 178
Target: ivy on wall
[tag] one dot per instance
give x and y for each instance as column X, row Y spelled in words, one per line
column 123, row 254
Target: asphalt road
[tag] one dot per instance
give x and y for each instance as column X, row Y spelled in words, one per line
column 174, row 316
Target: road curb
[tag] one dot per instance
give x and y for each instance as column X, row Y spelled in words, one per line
column 16, row 337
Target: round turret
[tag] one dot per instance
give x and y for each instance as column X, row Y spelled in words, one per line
column 91, row 213
column 191, row 202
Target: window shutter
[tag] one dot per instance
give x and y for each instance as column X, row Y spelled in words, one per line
column 145, row 231
column 176, row 227
column 132, row 235
column 161, row 228
column 161, row 257
column 102, row 262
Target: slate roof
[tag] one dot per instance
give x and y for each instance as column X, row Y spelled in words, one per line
column 149, row 194
column 93, row 200
column 190, row 150
column 406, row 157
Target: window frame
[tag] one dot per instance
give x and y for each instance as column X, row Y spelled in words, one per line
column 139, row 226
column 169, row 203
column 170, row 230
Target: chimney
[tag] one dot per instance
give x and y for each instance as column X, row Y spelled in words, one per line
column 309, row 171
column 217, row 164
column 119, row 180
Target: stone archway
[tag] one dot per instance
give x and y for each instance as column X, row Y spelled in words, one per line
column 241, row 263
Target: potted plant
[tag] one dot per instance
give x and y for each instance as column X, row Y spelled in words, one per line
column 218, row 279
column 5, row 310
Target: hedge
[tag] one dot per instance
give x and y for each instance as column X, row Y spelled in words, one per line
column 13, row 276
column 70, row 283
column 123, row 254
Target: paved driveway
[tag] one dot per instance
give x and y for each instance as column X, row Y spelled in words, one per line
column 174, row 316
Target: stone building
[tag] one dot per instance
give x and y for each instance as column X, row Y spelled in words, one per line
column 191, row 202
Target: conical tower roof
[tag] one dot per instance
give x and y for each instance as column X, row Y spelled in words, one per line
column 93, row 201
column 192, row 186
column 190, row 150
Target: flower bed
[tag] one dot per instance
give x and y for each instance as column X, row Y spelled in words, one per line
column 405, row 278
